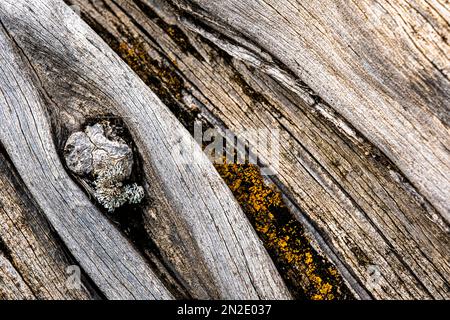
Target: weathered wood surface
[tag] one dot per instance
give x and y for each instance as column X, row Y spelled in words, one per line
column 33, row 262
column 356, row 134
column 359, row 90
column 55, row 74
column 103, row 253
column 383, row 66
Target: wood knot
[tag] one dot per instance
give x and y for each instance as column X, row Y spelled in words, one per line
column 105, row 161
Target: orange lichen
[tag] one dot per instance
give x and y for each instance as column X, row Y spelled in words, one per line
column 138, row 59
column 282, row 235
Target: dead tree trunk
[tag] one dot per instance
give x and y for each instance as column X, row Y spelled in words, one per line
column 358, row 91
column 211, row 247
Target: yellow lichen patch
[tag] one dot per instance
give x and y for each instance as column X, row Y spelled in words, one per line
column 307, row 273
column 138, row 59
column 161, row 76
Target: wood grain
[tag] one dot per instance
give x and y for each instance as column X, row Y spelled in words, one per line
column 61, row 71
column 366, row 212
column 384, row 66
column 31, row 247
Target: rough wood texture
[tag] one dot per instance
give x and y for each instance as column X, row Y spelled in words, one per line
column 32, row 252
column 383, row 66
column 12, row 285
column 359, row 89
column 26, row 137
column 370, row 199
column 389, row 80
column 55, row 74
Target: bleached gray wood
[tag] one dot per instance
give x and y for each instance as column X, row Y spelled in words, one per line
column 387, row 239
column 32, row 248
column 114, row 266
column 383, row 69
column 56, row 72
column 384, row 66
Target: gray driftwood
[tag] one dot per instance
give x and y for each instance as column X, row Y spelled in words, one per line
column 360, row 91
column 55, row 74
column 34, row 264
column 382, row 66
